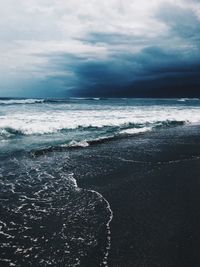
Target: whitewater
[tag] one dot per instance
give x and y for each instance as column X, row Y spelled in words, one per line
column 36, row 123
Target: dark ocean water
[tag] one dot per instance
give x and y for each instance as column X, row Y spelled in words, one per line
column 45, row 218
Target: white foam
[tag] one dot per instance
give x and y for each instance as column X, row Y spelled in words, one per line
column 108, row 246
column 83, row 143
column 73, row 180
column 5, row 133
column 31, row 121
column 136, row 130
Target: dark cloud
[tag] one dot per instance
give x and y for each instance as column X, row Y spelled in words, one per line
column 152, row 72
column 165, row 65
column 171, row 82
column 170, row 69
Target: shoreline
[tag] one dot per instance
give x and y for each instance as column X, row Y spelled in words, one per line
column 108, row 245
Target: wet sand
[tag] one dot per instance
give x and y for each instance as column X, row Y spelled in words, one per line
column 152, row 183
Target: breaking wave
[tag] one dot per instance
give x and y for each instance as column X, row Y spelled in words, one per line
column 188, row 99
column 130, row 128
column 136, row 130
column 17, row 101
column 102, row 139
column 79, row 123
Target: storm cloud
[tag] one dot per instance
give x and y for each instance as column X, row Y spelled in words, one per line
column 92, row 48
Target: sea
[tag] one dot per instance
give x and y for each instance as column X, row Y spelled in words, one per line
column 46, row 219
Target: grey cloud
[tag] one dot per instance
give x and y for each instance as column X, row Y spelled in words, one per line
column 182, row 22
column 79, row 50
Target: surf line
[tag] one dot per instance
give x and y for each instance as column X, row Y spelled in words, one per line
column 108, row 228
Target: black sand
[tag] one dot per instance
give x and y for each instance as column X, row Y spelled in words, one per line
column 152, row 182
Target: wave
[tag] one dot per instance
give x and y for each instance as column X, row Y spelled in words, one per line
column 127, row 128
column 20, row 101
column 10, row 132
column 169, row 123
column 5, row 101
column 136, row 130
column 72, row 145
column 90, row 141
column 88, row 98
column 117, row 134
column 187, row 99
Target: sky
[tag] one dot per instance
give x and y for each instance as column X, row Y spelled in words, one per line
column 107, row 48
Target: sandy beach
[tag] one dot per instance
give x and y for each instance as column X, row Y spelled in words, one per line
column 152, row 184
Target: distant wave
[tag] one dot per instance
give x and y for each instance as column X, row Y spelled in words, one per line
column 88, row 98
column 20, row 101
column 188, row 99
column 6, row 101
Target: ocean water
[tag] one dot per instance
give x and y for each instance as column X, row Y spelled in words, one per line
column 32, row 124
column 45, row 218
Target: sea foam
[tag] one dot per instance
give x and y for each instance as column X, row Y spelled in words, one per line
column 31, row 122
column 80, row 123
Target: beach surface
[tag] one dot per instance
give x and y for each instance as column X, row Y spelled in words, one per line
column 152, row 183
